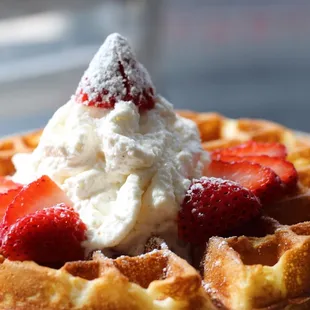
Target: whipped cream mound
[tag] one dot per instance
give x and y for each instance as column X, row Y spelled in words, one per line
column 126, row 171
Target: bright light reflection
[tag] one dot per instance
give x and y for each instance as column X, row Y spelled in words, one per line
column 38, row 28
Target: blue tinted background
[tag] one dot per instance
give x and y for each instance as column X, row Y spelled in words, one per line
column 240, row 58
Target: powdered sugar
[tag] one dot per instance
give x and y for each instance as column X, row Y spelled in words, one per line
column 197, row 184
column 114, row 74
column 218, row 181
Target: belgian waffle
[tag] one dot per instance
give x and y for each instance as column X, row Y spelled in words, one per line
column 265, row 265
column 156, row 280
column 24, row 143
column 268, row 264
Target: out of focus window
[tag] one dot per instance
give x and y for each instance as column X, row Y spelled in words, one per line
column 247, row 58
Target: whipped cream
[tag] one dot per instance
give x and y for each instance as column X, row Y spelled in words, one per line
column 125, row 171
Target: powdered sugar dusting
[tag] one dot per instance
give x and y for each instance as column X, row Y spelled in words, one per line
column 218, row 180
column 197, row 184
column 113, row 75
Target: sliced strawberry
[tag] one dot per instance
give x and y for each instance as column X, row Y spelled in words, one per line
column 42, row 193
column 6, row 199
column 284, row 169
column 114, row 74
column 7, row 184
column 48, row 236
column 214, row 206
column 252, row 148
column 8, row 190
column 262, row 181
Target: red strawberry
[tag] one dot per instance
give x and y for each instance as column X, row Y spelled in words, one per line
column 252, row 148
column 8, row 190
column 213, row 206
column 262, row 181
column 284, row 169
column 7, row 184
column 48, row 236
column 114, row 74
column 42, row 193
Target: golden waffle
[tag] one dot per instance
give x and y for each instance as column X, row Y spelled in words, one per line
column 155, row 280
column 16, row 144
column 272, row 270
column 266, row 267
column 254, row 273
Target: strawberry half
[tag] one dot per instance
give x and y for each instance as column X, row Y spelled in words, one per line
column 8, row 190
column 48, row 236
column 284, row 169
column 262, row 181
column 114, row 74
column 252, row 148
column 214, row 206
column 42, row 193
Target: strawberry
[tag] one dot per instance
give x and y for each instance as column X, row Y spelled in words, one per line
column 114, row 74
column 213, row 206
column 262, row 181
column 7, row 184
column 252, row 148
column 48, row 236
column 284, row 169
column 42, row 193
column 8, row 190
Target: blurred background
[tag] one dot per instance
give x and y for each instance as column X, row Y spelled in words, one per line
column 241, row 58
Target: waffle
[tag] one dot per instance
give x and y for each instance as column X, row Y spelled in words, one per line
column 264, row 265
column 268, row 264
column 16, row 144
column 254, row 273
column 104, row 283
